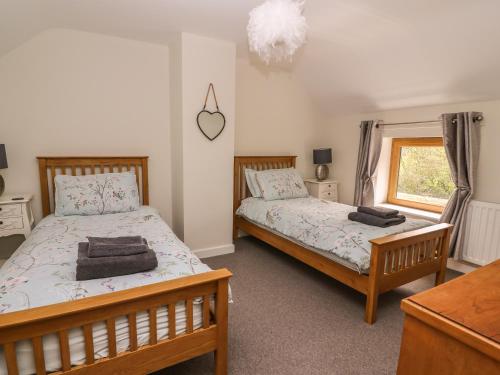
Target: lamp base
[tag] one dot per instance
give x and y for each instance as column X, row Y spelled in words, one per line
column 322, row 172
column 2, row 185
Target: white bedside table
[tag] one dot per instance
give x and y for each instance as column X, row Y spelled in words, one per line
column 326, row 189
column 16, row 216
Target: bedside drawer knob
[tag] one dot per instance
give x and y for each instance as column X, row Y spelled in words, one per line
column 1, row 222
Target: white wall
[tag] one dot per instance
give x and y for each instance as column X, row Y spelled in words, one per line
column 343, row 135
column 275, row 115
column 75, row 93
column 206, row 166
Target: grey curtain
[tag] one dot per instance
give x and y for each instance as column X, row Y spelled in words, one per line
column 370, row 145
column 461, row 142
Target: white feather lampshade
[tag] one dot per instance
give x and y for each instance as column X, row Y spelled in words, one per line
column 276, row 29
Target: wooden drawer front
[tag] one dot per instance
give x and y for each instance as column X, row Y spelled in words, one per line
column 11, row 223
column 10, row 210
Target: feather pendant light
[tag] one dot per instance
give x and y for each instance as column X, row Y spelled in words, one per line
column 276, row 29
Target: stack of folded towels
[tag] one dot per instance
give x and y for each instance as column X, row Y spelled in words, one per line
column 377, row 216
column 107, row 257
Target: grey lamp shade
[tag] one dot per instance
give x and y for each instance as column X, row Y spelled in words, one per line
column 322, row 156
column 3, row 157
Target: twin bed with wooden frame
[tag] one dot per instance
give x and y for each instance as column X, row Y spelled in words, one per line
column 395, row 260
column 58, row 319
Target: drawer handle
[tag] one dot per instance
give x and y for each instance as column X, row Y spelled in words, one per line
column 1, row 222
column 329, row 194
column 329, row 185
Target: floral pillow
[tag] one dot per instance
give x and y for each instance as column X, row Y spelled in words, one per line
column 252, row 184
column 97, row 194
column 281, row 184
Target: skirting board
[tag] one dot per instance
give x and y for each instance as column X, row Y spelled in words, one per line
column 214, row 251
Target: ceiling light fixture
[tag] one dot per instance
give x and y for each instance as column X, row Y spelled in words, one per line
column 276, row 29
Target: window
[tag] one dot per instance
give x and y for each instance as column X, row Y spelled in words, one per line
column 420, row 174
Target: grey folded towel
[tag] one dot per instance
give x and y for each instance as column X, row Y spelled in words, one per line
column 375, row 220
column 379, row 211
column 98, row 268
column 123, row 240
column 116, row 246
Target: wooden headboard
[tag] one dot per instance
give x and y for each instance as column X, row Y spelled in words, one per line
column 259, row 163
column 50, row 166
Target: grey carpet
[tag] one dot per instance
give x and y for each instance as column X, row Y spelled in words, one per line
column 288, row 318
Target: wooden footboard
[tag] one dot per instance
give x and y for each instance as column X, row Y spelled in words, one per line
column 402, row 258
column 33, row 324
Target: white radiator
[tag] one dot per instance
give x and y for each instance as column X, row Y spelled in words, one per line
column 482, row 233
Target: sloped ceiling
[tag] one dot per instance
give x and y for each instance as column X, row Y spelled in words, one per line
column 361, row 55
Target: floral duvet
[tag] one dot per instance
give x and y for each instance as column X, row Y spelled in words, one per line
column 42, row 271
column 322, row 225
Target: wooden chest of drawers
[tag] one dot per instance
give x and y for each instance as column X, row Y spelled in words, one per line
column 16, row 216
column 455, row 327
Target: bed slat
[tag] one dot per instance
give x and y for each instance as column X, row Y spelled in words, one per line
column 111, row 328
column 152, row 326
column 137, row 175
column 400, row 259
column 422, row 252
column 132, row 331
column 206, row 311
column 413, row 254
column 89, row 344
column 38, row 355
column 53, row 183
column 64, row 350
column 10, row 358
column 189, row 315
column 171, row 321
column 439, row 247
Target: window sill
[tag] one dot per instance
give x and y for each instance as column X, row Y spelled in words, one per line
column 413, row 212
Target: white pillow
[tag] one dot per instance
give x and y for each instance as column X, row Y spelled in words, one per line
column 281, row 184
column 252, row 184
column 97, row 194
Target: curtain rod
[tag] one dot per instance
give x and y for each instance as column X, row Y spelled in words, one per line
column 476, row 118
column 409, row 122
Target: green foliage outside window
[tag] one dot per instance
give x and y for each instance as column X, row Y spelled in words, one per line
column 424, row 175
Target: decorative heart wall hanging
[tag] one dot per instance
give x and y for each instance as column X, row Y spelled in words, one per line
column 211, row 124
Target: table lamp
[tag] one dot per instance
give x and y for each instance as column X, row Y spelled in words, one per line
column 321, row 157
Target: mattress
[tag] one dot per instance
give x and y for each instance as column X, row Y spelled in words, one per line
column 322, row 226
column 42, row 272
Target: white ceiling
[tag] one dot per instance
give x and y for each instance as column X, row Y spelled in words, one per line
column 361, row 55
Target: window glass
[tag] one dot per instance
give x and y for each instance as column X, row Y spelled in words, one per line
column 424, row 175
column 420, row 174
